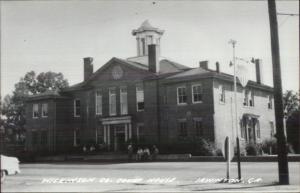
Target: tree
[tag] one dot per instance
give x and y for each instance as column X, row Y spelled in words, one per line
column 13, row 106
column 291, row 109
column 290, row 103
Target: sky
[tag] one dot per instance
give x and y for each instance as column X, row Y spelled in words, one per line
column 57, row 35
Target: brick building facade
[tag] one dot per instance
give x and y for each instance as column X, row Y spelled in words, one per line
column 150, row 98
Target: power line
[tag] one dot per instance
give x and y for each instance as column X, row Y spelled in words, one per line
column 289, row 14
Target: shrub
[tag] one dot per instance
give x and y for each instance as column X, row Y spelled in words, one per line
column 193, row 145
column 270, row 146
column 253, row 149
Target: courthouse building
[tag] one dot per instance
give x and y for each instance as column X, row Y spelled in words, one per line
column 150, row 98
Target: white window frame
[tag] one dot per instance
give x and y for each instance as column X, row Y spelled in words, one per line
column 121, row 102
column 75, row 110
column 35, row 110
column 98, row 101
column 139, row 100
column 251, row 98
column 272, row 128
column 222, row 94
column 257, row 130
column 43, row 106
column 195, row 120
column 248, row 96
column 182, row 103
column 201, row 93
column 110, row 102
column 270, row 102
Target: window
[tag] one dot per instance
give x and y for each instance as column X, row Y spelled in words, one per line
column 44, row 138
column 222, row 93
column 198, row 127
column 112, row 102
column 123, row 101
column 270, row 103
column 45, row 110
column 98, row 102
column 139, row 129
column 251, row 101
column 150, row 39
column 257, row 129
column 246, row 93
column 34, row 136
column 243, row 128
column 197, row 93
column 181, row 95
column 140, row 97
column 76, row 108
column 182, row 129
column 272, row 128
column 35, row 110
column 249, row 98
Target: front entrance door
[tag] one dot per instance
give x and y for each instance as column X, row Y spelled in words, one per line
column 251, row 135
column 120, row 142
column 119, row 137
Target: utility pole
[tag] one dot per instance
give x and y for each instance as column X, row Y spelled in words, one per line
column 281, row 140
column 233, row 42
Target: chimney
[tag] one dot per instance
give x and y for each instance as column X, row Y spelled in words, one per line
column 152, row 59
column 204, row 64
column 87, row 68
column 258, row 70
column 217, row 67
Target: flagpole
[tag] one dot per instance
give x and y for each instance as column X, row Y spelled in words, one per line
column 233, row 42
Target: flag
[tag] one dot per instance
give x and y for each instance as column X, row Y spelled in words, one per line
column 242, row 72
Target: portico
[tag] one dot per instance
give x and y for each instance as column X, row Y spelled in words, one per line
column 116, row 131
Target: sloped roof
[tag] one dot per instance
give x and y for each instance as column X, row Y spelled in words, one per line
column 135, row 65
column 167, row 66
column 191, row 72
column 204, row 73
column 46, row 95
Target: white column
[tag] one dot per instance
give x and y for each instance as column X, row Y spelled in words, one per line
column 104, row 133
column 129, row 130
column 126, row 134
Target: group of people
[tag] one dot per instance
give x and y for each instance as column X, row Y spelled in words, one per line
column 143, row 154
